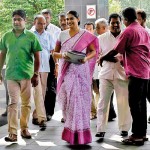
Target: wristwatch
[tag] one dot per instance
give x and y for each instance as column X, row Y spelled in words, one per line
column 36, row 73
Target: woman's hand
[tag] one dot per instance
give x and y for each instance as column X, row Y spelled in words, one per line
column 82, row 61
column 64, row 56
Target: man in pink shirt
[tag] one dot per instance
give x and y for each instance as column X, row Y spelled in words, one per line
column 134, row 44
column 141, row 18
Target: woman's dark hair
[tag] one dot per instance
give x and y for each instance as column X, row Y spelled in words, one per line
column 20, row 13
column 75, row 14
column 129, row 14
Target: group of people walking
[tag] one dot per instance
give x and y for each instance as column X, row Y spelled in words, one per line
column 38, row 57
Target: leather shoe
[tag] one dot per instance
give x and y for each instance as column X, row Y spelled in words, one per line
column 149, row 119
column 11, row 138
column 62, row 120
column 49, row 117
column 124, row 133
column 35, row 121
column 25, row 134
column 42, row 124
column 100, row 135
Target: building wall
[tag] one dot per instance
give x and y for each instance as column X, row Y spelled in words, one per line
column 80, row 7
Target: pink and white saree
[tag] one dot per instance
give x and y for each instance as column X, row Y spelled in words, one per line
column 74, row 89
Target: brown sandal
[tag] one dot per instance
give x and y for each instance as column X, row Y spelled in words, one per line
column 134, row 141
column 11, row 138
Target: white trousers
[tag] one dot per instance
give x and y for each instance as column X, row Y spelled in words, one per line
column 39, row 96
column 124, row 116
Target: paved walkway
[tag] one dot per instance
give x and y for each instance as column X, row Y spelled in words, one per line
column 50, row 139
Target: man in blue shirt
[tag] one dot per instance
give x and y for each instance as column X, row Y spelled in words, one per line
column 47, row 43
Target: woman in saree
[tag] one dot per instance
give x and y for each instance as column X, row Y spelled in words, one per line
column 74, row 80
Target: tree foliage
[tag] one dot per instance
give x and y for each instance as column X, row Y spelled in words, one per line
column 114, row 6
column 118, row 5
column 138, row 4
column 32, row 7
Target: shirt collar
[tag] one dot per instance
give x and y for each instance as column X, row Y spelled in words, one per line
column 34, row 30
column 24, row 31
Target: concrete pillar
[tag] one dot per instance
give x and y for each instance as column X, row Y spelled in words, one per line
column 80, row 7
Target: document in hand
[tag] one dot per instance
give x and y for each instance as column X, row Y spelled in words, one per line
column 75, row 56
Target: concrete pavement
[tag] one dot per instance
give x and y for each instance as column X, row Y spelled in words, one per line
column 50, row 139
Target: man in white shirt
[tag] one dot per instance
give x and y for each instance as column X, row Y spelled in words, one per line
column 112, row 78
column 102, row 27
column 50, row 97
column 141, row 18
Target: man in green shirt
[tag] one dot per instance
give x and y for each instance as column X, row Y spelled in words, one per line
column 21, row 49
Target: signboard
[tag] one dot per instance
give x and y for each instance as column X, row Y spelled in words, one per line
column 91, row 11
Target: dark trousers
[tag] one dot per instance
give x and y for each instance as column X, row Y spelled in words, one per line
column 112, row 113
column 148, row 91
column 50, row 97
column 137, row 102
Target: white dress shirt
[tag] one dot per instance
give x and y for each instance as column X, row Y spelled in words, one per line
column 110, row 70
column 54, row 31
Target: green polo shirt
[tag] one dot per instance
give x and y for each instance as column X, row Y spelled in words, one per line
column 19, row 54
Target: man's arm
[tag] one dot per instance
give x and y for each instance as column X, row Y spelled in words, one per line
column 109, row 57
column 34, row 79
column 2, row 60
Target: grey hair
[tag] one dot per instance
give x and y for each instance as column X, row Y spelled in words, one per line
column 39, row 16
column 101, row 21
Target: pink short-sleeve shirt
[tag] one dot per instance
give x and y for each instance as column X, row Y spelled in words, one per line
column 134, row 44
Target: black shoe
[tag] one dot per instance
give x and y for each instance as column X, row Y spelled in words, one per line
column 112, row 117
column 35, row 121
column 48, row 117
column 124, row 133
column 42, row 125
column 4, row 114
column 149, row 119
column 100, row 135
column 62, row 120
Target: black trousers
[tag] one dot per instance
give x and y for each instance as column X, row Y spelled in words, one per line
column 148, row 91
column 112, row 113
column 50, row 96
column 137, row 101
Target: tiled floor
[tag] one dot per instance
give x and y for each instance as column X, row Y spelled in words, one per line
column 50, row 139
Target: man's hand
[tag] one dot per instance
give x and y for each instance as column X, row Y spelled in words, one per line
column 34, row 80
column 100, row 61
column 112, row 59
